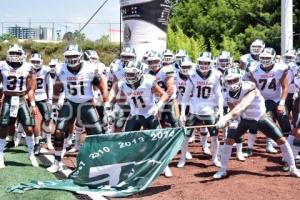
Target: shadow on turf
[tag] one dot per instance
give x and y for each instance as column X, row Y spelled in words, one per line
column 15, row 151
column 231, row 173
column 16, row 164
column 151, row 191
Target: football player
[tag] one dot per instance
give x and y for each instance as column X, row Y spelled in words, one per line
column 272, row 81
column 256, row 47
column 205, row 87
column 248, row 104
column 186, row 69
column 18, row 79
column 165, row 79
column 77, row 78
column 128, row 54
column 43, row 97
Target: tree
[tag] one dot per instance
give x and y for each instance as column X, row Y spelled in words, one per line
column 7, row 36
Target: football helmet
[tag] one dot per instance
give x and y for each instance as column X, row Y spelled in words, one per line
column 233, row 79
column 73, row 55
column 180, row 54
column 154, row 60
column 267, row 57
column 36, row 60
column 224, row 60
column 133, row 72
column 145, row 57
column 186, row 66
column 168, row 57
column 52, row 65
column 127, row 54
column 257, row 47
column 91, row 55
column 204, row 62
column 289, row 56
column 15, row 54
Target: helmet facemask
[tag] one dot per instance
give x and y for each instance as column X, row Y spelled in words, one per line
column 204, row 66
column 154, row 64
column 233, row 83
column 126, row 59
column 266, row 60
column 256, row 50
column 224, row 64
column 72, row 60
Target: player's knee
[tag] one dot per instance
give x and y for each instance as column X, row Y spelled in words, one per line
column 284, row 123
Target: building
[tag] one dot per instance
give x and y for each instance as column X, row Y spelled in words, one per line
column 41, row 33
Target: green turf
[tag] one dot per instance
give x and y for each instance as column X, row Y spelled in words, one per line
column 18, row 169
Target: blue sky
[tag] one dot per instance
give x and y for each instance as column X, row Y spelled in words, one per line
column 61, row 11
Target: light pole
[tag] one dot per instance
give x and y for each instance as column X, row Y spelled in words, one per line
column 286, row 25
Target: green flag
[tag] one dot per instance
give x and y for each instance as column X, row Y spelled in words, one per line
column 117, row 165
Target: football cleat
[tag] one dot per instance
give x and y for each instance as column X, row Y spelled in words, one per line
column 206, row 151
column 34, row 161
column 222, row 173
column 168, row 173
column 216, row 162
column 270, row 148
column 55, row 167
column 188, row 155
column 50, row 146
column 9, row 144
column 248, row 153
column 36, row 149
column 74, row 149
column 294, row 172
column 240, row 157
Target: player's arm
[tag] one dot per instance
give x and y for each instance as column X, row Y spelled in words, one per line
column 100, row 81
column 186, row 97
column 285, row 90
column 50, row 88
column 160, row 92
column 31, row 87
column 239, row 108
column 170, row 83
column 57, row 89
column 1, row 87
column 219, row 97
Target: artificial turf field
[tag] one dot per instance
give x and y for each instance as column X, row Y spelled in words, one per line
column 18, row 169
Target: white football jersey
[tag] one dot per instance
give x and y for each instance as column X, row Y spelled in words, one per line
column 14, row 80
column 256, row 109
column 162, row 75
column 248, row 60
column 140, row 99
column 110, row 79
column 78, row 87
column 43, row 80
column 268, row 82
column 180, row 86
column 206, row 92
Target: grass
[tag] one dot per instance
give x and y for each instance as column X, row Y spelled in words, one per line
column 18, row 169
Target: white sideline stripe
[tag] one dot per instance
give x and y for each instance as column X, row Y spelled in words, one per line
column 67, row 172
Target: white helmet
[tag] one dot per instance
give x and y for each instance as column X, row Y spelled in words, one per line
column 15, row 54
column 168, row 57
column 267, row 57
column 224, row 60
column 186, row 66
column 73, row 55
column 289, row 56
column 127, row 54
column 233, row 79
column 36, row 60
column 204, row 62
column 154, row 60
column 133, row 72
column 257, row 47
column 52, row 65
column 91, row 55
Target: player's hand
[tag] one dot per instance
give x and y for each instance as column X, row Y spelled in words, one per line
column 221, row 123
column 34, row 110
column 280, row 109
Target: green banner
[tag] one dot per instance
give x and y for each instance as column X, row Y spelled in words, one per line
column 117, row 165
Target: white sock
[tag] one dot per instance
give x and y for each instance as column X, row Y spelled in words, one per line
column 184, row 147
column 239, row 147
column 30, row 144
column 295, row 150
column 77, row 133
column 251, row 140
column 287, row 154
column 203, row 139
column 290, row 139
column 37, row 140
column 215, row 146
column 225, row 131
column 48, row 138
column 2, row 145
column 225, row 155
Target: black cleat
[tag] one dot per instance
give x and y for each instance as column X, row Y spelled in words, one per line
column 248, row 153
column 36, row 149
column 9, row 144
